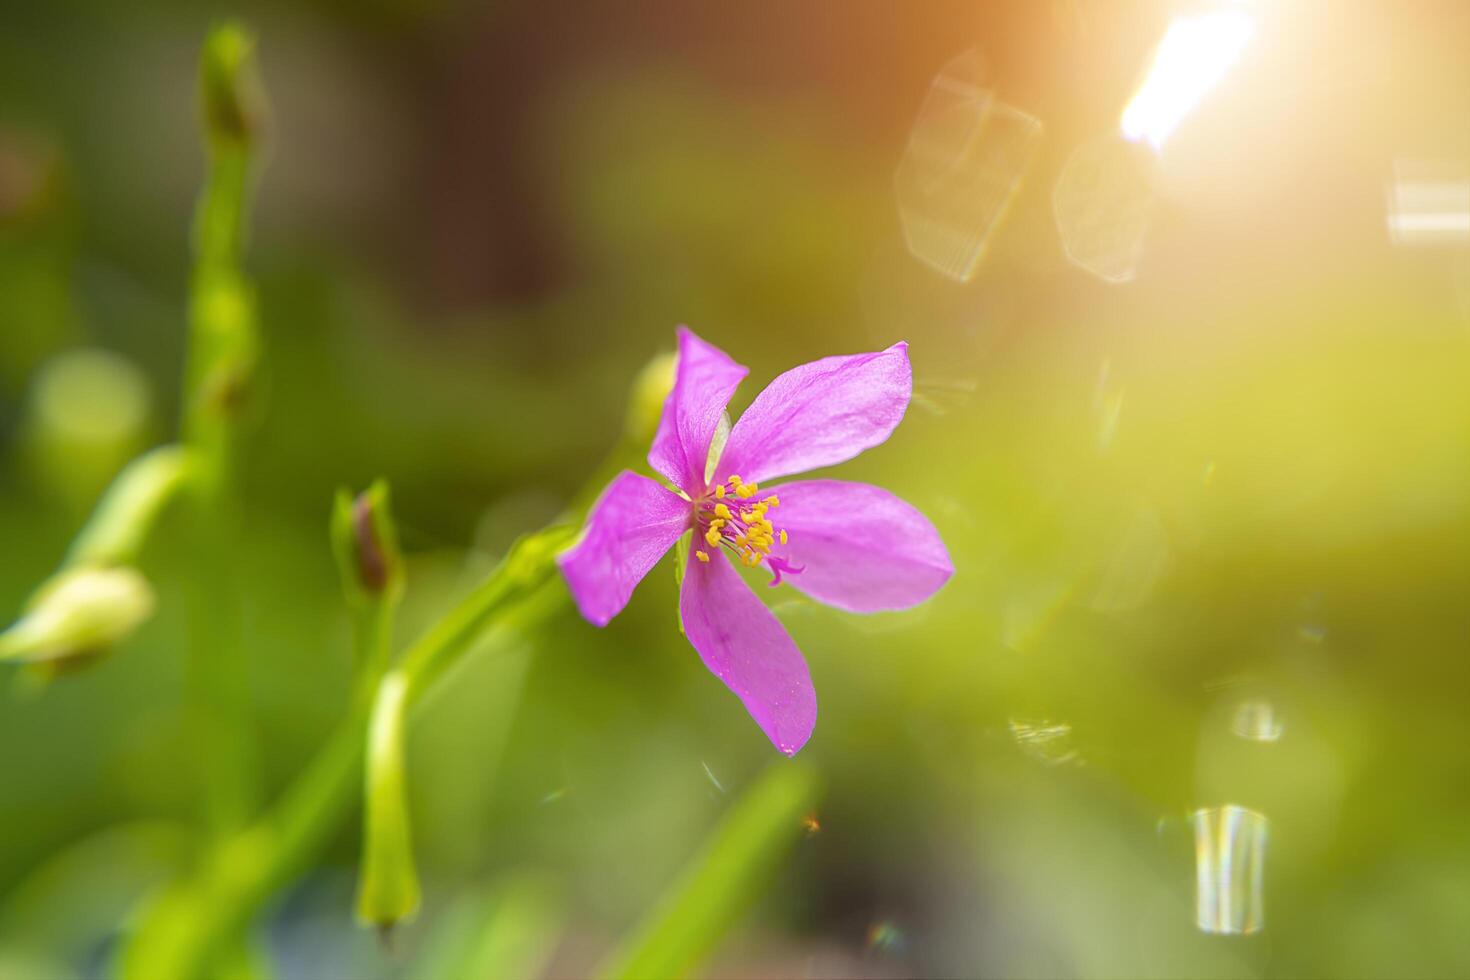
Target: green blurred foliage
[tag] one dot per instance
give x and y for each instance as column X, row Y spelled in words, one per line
column 1240, row 478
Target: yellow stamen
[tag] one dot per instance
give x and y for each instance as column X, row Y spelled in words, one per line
column 734, row 480
column 713, row 537
column 720, row 492
column 722, row 511
column 772, row 501
column 783, row 535
column 701, row 556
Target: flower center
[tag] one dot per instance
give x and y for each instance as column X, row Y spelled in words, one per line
column 728, row 517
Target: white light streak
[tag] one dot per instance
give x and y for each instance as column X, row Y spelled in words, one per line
column 1194, row 55
column 1427, row 210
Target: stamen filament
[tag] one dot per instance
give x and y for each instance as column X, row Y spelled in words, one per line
column 745, row 529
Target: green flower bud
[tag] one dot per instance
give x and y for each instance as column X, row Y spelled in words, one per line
column 365, row 542
column 78, row 613
column 646, row 403
column 230, row 89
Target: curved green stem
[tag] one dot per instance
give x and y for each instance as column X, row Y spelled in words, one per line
column 185, row 929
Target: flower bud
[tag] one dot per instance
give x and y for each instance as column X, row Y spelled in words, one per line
column 232, row 97
column 646, row 402
column 77, row 613
column 365, row 542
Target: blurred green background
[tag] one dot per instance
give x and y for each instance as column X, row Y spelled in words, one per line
column 1211, row 527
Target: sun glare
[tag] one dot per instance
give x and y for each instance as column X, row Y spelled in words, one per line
column 1192, row 58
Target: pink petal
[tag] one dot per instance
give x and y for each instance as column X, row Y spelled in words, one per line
column 745, row 646
column 860, row 548
column 819, row 414
column 631, row 526
column 704, row 380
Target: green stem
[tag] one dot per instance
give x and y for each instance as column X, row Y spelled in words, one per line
column 523, row 572
column 182, row 933
column 222, row 353
column 125, row 516
column 719, row 884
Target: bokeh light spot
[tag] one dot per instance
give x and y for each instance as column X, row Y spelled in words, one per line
column 1230, row 861
column 887, row 938
column 966, row 156
column 1257, row 721
column 1142, row 557
column 1429, row 204
column 90, row 396
column 1103, row 201
column 1046, row 741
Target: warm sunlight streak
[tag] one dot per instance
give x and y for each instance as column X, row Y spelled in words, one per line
column 1194, row 55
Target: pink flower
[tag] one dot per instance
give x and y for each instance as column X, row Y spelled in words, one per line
column 850, row 545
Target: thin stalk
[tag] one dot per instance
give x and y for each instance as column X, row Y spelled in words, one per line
column 718, row 885
column 181, row 934
column 222, row 353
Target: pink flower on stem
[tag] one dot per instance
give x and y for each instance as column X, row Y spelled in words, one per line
column 850, row 545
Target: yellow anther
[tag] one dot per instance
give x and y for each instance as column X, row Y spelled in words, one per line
column 734, row 480
column 783, row 535
column 772, row 501
column 740, row 541
column 745, row 490
column 701, row 556
column 720, row 492
column 721, row 511
column 713, row 537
